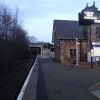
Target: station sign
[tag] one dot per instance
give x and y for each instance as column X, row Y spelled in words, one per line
column 89, row 15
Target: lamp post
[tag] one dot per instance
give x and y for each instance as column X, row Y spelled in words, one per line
column 77, row 63
column 92, row 54
column 91, row 49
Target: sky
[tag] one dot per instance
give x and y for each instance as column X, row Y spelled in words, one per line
column 37, row 16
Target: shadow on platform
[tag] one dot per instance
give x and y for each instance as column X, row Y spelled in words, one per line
column 41, row 93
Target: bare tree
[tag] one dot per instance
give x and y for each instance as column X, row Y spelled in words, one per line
column 13, row 38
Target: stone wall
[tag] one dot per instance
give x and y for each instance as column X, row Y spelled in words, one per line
column 65, row 47
column 57, row 51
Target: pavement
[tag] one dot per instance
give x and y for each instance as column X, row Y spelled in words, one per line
column 54, row 81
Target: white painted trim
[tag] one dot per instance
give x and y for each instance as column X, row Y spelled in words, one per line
column 96, row 93
column 21, row 94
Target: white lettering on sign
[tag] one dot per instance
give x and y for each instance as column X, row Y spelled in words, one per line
column 96, row 21
column 95, row 43
column 89, row 15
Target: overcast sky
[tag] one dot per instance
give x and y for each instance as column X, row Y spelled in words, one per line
column 37, row 15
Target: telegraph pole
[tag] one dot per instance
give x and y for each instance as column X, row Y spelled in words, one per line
column 91, row 49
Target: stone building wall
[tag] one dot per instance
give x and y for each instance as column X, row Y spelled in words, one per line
column 65, row 47
column 62, row 47
column 57, row 51
column 95, row 36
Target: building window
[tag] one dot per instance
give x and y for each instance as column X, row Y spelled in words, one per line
column 96, row 30
column 72, row 53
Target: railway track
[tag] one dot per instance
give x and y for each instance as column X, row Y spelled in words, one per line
column 12, row 82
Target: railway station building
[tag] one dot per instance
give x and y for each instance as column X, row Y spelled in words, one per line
column 66, row 33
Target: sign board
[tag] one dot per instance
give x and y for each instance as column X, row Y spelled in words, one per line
column 89, row 15
column 88, row 18
column 94, row 16
column 83, row 21
column 96, row 49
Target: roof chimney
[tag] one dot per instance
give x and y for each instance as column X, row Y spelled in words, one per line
column 94, row 3
column 87, row 5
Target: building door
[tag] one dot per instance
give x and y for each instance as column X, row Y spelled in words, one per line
column 72, row 53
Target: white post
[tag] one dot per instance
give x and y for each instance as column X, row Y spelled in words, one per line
column 77, row 52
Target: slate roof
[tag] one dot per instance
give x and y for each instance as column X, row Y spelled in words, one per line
column 67, row 29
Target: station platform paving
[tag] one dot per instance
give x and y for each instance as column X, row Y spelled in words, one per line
column 50, row 80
